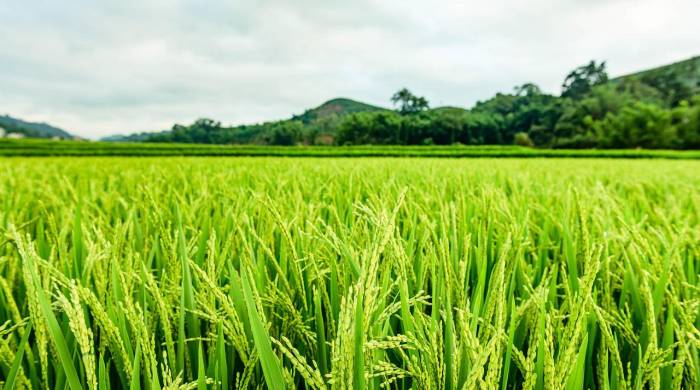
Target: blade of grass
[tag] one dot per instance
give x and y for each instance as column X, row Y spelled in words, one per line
column 268, row 360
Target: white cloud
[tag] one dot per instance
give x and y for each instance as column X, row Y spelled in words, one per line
column 111, row 66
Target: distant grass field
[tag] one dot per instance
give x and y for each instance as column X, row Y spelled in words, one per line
column 37, row 147
column 363, row 273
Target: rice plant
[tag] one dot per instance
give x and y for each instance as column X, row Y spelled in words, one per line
column 194, row 273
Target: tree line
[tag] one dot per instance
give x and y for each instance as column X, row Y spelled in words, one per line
column 656, row 110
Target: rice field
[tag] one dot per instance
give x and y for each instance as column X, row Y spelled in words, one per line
column 367, row 273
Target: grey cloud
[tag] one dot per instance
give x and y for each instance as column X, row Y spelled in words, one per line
column 120, row 66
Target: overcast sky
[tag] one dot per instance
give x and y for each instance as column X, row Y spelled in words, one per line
column 99, row 67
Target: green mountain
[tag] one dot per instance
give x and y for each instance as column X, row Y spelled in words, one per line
column 688, row 70
column 677, row 81
column 335, row 108
column 31, row 129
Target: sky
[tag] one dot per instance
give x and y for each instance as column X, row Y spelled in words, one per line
column 101, row 67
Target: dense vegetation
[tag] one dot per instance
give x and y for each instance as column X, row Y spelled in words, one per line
column 319, row 123
column 33, row 147
column 659, row 108
column 407, row 274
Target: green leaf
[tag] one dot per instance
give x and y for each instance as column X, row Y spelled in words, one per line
column 269, row 362
column 102, row 375
column 57, row 336
column 221, row 358
column 136, row 369
column 201, row 374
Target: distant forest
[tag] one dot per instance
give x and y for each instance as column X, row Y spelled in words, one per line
column 655, row 109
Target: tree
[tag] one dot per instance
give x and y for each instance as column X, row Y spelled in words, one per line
column 573, row 128
column 528, row 110
column 354, row 130
column 285, row 133
column 580, row 81
column 528, row 89
column 408, row 102
column 637, row 125
column 522, row 139
column 686, row 120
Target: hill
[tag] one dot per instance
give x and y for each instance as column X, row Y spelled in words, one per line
column 677, row 81
column 335, row 107
column 32, row 129
column 688, row 70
